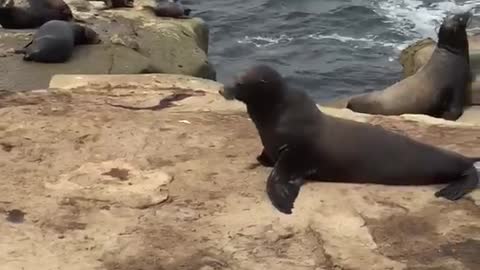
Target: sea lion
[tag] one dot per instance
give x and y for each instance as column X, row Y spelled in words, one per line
column 438, row 89
column 54, row 41
column 118, row 3
column 172, row 9
column 304, row 143
column 36, row 14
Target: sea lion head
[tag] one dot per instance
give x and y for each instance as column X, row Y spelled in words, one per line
column 91, row 37
column 85, row 35
column 452, row 33
column 64, row 11
column 259, row 83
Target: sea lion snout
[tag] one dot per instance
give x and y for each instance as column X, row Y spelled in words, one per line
column 465, row 18
column 460, row 19
column 227, row 92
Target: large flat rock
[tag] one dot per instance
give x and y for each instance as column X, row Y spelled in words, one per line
column 110, row 188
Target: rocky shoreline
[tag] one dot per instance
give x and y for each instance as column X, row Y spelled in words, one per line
column 134, row 41
column 87, row 185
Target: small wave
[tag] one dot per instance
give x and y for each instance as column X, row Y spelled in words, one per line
column 415, row 19
column 369, row 40
column 263, row 41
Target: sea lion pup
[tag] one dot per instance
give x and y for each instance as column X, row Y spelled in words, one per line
column 54, row 41
column 438, row 89
column 36, row 14
column 172, row 9
column 303, row 143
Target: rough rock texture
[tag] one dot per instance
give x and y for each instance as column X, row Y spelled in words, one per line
column 134, row 41
column 416, row 55
column 101, row 187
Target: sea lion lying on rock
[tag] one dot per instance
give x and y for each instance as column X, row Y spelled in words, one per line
column 438, row 89
column 54, row 41
column 36, row 14
column 303, row 143
column 172, row 9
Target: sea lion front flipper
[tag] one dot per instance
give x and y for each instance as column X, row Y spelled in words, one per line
column 28, row 44
column 20, row 51
column 265, row 160
column 285, row 180
column 24, row 49
column 456, row 190
column 454, row 104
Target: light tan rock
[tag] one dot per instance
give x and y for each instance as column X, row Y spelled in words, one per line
column 57, row 145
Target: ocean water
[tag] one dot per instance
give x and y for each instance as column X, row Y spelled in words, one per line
column 329, row 48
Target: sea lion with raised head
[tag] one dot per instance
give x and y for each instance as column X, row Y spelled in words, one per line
column 54, row 41
column 438, row 89
column 35, row 15
column 172, row 9
column 304, row 143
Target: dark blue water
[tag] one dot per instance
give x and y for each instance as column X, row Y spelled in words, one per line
column 327, row 47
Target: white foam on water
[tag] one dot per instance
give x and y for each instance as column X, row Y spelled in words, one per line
column 265, row 41
column 412, row 18
column 416, row 20
column 368, row 41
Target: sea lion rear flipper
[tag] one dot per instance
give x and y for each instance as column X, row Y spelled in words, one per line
column 285, row 180
column 456, row 190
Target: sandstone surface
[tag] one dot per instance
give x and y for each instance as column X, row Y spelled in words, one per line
column 86, row 185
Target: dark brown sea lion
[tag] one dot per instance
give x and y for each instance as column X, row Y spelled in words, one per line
column 54, row 41
column 36, row 14
column 438, row 89
column 172, row 9
column 303, row 143
column 119, row 3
